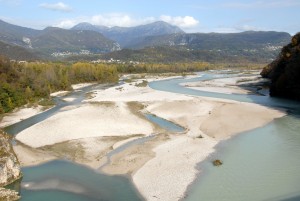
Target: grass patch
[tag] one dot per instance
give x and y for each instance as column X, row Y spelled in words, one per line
column 129, row 80
column 89, row 95
column 46, row 102
column 70, row 150
column 119, row 88
column 103, row 103
column 144, row 83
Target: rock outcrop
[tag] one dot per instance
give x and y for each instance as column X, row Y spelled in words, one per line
column 10, row 169
column 284, row 72
column 8, row 195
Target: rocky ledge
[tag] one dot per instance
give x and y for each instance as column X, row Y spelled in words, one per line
column 8, row 195
column 10, row 169
column 284, row 72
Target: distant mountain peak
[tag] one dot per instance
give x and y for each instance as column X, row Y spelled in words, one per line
column 162, row 23
column 126, row 35
column 83, row 25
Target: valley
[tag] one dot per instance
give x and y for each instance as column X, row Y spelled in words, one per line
column 148, row 101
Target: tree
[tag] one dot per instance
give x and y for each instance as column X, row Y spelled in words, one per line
column 28, row 94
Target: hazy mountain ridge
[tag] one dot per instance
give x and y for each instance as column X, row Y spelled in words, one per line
column 52, row 40
column 127, row 35
column 61, row 40
column 216, row 41
column 16, row 35
column 17, row 52
column 86, row 39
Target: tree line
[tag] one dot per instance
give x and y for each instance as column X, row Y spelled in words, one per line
column 29, row 82
column 22, row 83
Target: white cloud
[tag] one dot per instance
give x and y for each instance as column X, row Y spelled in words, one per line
column 125, row 20
column 119, row 19
column 67, row 24
column 56, row 7
column 183, row 22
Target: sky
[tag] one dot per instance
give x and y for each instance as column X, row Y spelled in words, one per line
column 224, row 16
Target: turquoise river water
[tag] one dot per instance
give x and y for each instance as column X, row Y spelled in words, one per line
column 262, row 164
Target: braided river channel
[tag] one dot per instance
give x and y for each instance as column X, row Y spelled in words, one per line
column 261, row 164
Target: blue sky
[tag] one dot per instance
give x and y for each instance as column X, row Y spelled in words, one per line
column 190, row 15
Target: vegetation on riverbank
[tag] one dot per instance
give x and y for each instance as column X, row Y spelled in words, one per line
column 31, row 82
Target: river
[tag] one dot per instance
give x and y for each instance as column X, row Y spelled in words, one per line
column 262, row 164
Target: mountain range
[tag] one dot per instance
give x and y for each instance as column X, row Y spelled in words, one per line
column 87, row 39
column 53, row 40
column 126, row 36
column 17, row 52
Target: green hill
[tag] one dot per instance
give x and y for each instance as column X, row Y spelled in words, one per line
column 61, row 40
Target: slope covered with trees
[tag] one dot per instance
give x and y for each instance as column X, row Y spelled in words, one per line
column 31, row 82
column 167, row 54
column 284, row 72
column 54, row 39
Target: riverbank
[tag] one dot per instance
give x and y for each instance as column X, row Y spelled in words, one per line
column 161, row 168
column 28, row 111
column 19, row 115
column 10, row 170
column 231, row 85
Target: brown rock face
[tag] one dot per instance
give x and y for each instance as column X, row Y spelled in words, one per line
column 10, row 169
column 284, row 72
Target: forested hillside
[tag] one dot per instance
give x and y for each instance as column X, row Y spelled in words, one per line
column 31, row 82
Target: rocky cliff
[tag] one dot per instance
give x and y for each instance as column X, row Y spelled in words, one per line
column 10, row 169
column 284, row 72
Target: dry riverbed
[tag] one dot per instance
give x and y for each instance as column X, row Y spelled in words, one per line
column 162, row 167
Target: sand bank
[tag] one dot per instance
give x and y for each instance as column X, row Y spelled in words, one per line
column 19, row 115
column 89, row 120
column 167, row 175
column 161, row 168
column 225, row 85
column 129, row 92
column 81, row 85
